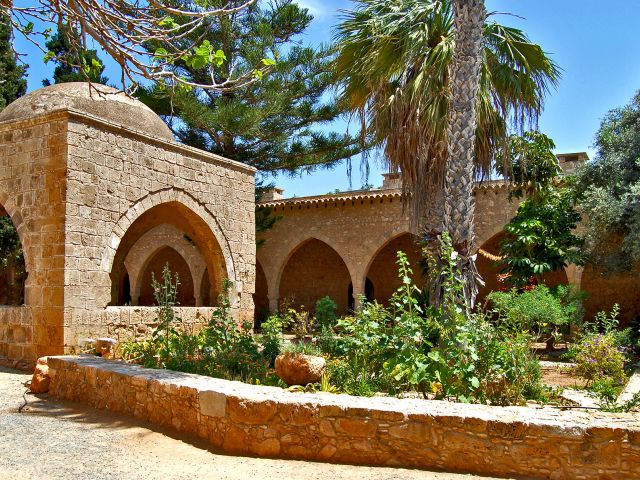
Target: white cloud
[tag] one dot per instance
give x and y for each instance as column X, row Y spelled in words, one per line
column 315, row 7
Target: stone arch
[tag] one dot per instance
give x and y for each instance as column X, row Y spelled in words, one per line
column 9, row 207
column 13, row 278
column 177, row 208
column 486, row 264
column 311, row 271
column 382, row 270
column 178, row 266
column 261, row 296
column 159, row 237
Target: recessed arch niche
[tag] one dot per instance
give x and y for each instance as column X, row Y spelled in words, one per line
column 382, row 276
column 193, row 228
column 314, row 270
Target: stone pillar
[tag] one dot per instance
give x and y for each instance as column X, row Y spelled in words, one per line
column 358, row 291
column 273, row 302
column 574, row 275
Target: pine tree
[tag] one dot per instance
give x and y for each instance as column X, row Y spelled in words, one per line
column 73, row 63
column 12, row 76
column 277, row 123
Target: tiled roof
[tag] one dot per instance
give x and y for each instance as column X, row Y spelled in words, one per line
column 378, row 193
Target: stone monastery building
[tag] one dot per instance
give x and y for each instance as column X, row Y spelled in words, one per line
column 102, row 197
column 344, row 245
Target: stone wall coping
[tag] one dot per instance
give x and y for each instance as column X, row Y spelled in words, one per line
column 377, row 193
column 71, row 114
column 130, row 308
column 567, row 422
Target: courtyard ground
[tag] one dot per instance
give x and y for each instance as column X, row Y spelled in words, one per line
column 63, row 440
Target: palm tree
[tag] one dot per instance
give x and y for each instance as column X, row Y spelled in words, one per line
column 464, row 77
column 395, row 64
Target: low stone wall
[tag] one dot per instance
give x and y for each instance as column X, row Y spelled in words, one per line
column 267, row 421
column 124, row 323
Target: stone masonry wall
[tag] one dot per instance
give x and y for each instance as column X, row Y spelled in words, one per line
column 115, row 176
column 358, row 225
column 267, row 421
column 126, row 323
column 73, row 185
column 32, row 191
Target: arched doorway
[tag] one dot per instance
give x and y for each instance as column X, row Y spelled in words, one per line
column 486, row 263
column 313, row 271
column 13, row 272
column 261, row 296
column 382, row 278
column 193, row 229
column 177, row 266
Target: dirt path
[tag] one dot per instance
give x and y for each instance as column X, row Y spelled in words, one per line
column 62, row 440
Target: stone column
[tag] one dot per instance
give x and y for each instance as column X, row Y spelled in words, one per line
column 574, row 275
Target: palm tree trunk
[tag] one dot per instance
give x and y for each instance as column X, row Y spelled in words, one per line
column 459, row 203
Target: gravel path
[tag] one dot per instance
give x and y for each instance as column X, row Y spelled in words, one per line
column 63, row 440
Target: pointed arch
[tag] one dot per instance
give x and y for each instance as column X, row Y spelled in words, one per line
column 152, row 241
column 261, row 296
column 178, row 266
column 13, row 274
column 179, row 209
column 381, row 274
column 313, row 270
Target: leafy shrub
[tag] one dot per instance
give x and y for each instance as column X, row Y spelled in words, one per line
column 599, row 360
column 605, row 324
column 326, row 313
column 363, row 347
column 272, row 338
column 220, row 350
column 541, row 310
column 304, row 348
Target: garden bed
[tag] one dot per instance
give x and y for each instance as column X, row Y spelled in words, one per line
column 266, row 421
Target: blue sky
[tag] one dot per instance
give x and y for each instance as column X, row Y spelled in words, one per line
column 594, row 42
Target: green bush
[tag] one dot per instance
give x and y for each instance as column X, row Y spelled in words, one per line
column 541, row 310
column 326, row 313
column 272, row 338
column 599, row 360
column 222, row 349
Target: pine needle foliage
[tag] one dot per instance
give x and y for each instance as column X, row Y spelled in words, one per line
column 13, row 83
column 72, row 65
column 279, row 123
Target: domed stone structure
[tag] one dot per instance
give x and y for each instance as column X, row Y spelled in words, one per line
column 102, row 196
column 94, row 99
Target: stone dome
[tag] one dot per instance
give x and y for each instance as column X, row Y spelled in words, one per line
column 99, row 100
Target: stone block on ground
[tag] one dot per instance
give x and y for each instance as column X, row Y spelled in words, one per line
column 41, row 379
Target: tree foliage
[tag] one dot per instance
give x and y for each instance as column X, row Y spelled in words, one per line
column 541, row 237
column 13, row 83
column 73, row 65
column 274, row 124
column 12, row 266
column 393, row 65
column 609, row 189
column 122, row 28
column 530, row 163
